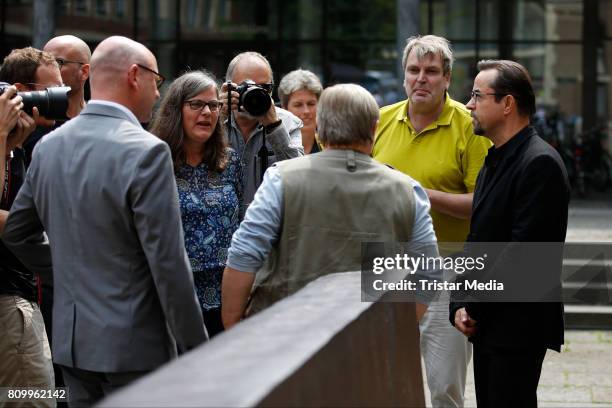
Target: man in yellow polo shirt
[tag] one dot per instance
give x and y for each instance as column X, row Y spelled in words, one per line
column 429, row 136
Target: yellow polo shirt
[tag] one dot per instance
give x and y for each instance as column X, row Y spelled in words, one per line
column 445, row 156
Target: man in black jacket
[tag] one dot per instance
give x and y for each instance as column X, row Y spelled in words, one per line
column 521, row 196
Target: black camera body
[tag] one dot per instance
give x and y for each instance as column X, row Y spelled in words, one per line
column 253, row 99
column 52, row 103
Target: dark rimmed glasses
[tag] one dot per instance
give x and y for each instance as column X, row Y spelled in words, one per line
column 62, row 61
column 198, row 105
column 159, row 78
column 477, row 96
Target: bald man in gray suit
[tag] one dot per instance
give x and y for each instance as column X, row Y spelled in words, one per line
column 103, row 190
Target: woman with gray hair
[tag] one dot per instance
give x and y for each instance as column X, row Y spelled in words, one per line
column 299, row 93
column 208, row 178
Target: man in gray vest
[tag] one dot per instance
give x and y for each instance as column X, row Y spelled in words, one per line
column 327, row 204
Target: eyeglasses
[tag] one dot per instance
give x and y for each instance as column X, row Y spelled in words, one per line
column 198, row 105
column 477, row 96
column 61, row 62
column 159, row 78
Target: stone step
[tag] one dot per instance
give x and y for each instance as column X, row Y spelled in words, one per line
column 591, row 293
column 588, row 317
column 587, row 270
column 587, row 250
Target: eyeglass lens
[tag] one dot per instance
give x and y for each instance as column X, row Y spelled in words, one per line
column 199, row 105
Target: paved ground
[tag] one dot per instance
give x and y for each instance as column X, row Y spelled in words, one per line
column 581, row 375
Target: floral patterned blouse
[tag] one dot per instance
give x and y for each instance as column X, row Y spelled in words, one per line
column 210, row 212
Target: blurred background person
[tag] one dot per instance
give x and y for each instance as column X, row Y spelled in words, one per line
column 299, row 93
column 72, row 55
column 208, row 178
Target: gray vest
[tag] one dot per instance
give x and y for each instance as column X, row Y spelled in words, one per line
column 332, row 202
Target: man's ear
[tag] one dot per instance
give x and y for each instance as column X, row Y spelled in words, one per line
column 509, row 104
column 133, row 76
column 84, row 72
column 448, row 79
column 21, row 87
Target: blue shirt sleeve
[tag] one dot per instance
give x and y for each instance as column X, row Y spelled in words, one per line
column 260, row 229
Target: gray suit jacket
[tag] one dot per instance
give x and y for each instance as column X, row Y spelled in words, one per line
column 103, row 189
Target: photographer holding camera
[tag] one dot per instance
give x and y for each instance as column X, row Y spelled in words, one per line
column 15, row 127
column 20, row 315
column 261, row 133
column 30, row 70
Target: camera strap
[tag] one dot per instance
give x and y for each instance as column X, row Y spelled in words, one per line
column 7, row 182
column 263, row 156
column 229, row 108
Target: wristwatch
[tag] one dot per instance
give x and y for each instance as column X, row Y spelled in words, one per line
column 271, row 126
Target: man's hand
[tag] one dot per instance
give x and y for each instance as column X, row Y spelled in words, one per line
column 420, row 311
column 270, row 116
column 223, row 98
column 10, row 107
column 24, row 128
column 464, row 323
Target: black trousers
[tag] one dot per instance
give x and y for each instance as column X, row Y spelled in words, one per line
column 507, row 378
column 213, row 322
column 85, row 388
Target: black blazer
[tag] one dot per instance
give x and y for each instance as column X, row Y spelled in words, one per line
column 522, row 195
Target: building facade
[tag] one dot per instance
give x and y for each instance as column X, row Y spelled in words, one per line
column 565, row 44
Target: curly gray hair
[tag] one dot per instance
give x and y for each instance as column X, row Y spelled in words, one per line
column 297, row 80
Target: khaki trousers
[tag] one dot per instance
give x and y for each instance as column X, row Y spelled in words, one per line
column 25, row 357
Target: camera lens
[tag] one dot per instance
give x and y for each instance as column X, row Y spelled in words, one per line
column 256, row 101
column 52, row 103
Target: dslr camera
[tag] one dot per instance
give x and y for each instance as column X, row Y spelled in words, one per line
column 254, row 99
column 52, row 103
